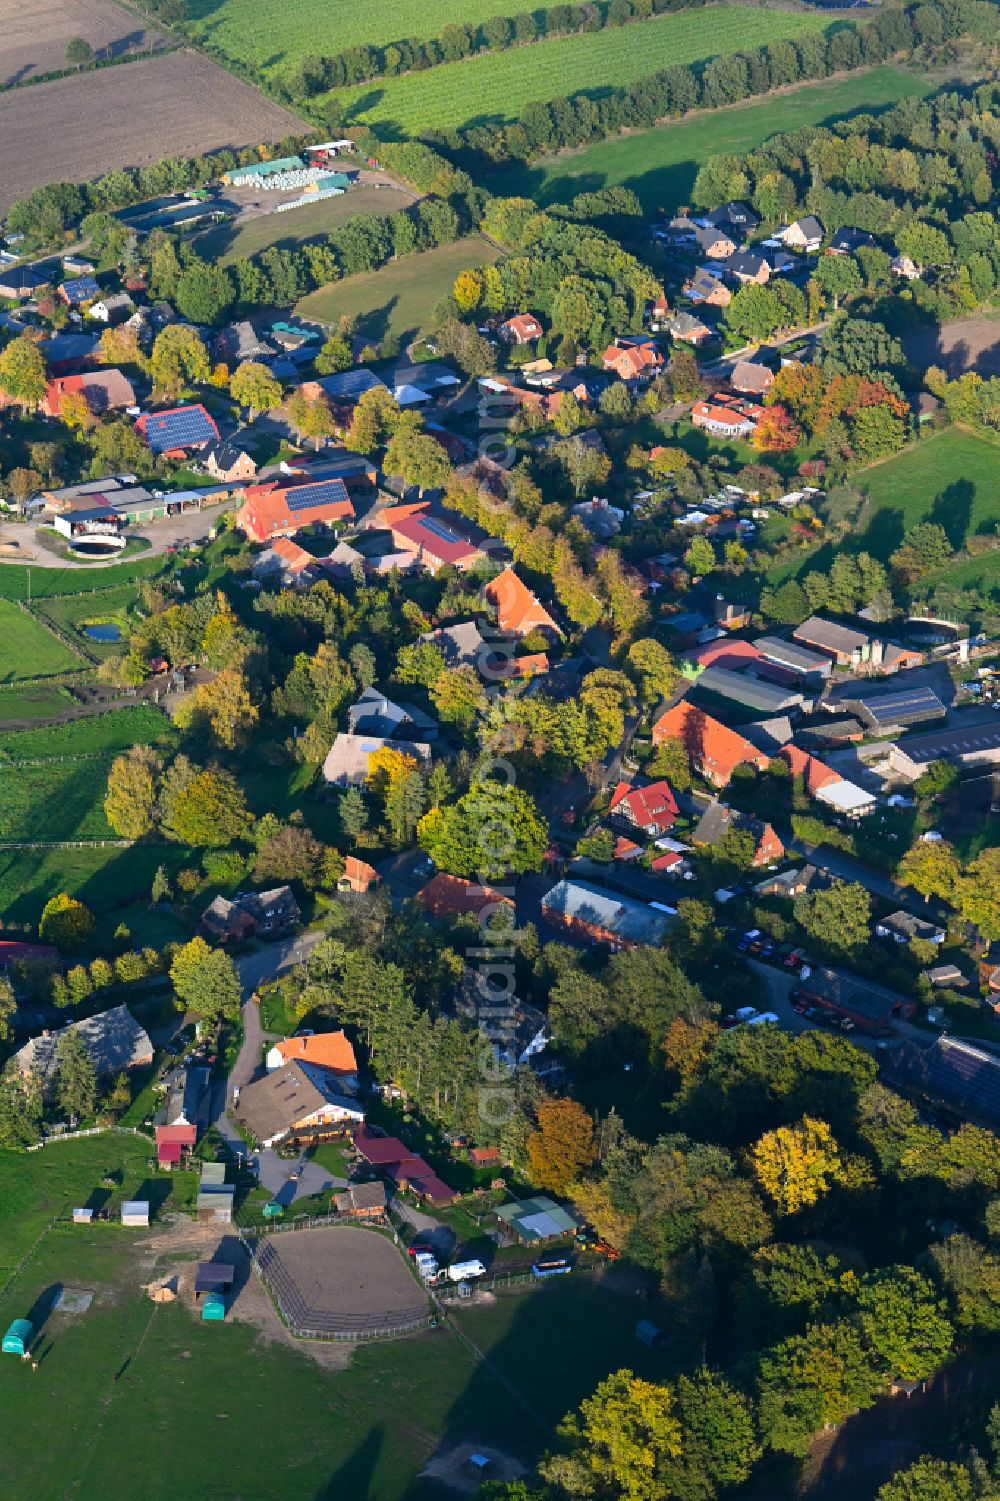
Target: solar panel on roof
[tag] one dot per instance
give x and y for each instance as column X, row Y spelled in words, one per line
column 350, row 383
column 439, row 530
column 180, row 429
column 324, row 493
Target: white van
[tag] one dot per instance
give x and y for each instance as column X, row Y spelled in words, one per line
column 461, row 1271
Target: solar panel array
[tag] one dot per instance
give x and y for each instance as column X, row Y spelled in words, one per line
column 968, row 1077
column 82, row 289
column 324, row 493
column 438, row 529
column 351, row 384
column 184, row 428
column 906, row 702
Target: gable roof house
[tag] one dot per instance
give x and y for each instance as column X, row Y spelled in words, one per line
column 19, row 283
column 103, row 391
column 113, row 309
column 751, row 379
column 633, row 360
column 717, row 244
column 461, row 645
column 727, row 416
column 519, row 611
column 847, row 647
column 229, row 460
column 452, row 896
column 238, row 342
column 435, row 543
column 714, row 751
column 802, row 234
column 524, row 328
column 178, row 432
column 592, row 914
column 688, row 329
column 847, row 240
column 902, row 265
column 358, row 876
column 749, row 266
column 282, row 508
column 259, row 913
column 706, row 287
column 735, row 214
column 288, row 562
column 294, row 1100
column 346, row 763
column 718, row 820
column 330, row 1051
column 78, row 290
column 903, row 927
column 652, row 809
column 113, row 1040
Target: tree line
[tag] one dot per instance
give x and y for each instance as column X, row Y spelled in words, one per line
column 317, row 74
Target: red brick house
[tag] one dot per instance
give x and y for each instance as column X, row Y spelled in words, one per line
column 718, row 820
column 280, row 510
column 518, row 610
column 358, row 876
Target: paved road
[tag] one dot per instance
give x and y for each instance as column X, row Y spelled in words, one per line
column 849, row 869
column 266, row 963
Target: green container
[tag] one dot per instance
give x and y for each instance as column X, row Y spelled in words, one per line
column 273, row 1211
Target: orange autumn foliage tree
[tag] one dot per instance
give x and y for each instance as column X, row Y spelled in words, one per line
column 562, row 1146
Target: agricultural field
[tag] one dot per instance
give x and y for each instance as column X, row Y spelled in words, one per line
column 275, row 37
column 104, row 735
column 660, row 165
column 44, row 583
column 957, row 347
column 497, row 86
column 36, row 33
column 949, row 478
column 179, row 104
column 399, row 299
column 227, row 242
column 34, row 701
column 28, row 649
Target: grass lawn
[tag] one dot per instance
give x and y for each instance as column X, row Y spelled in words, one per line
column 29, row 649
column 103, row 734
column 36, row 1186
column 16, row 580
column 39, row 701
column 949, row 478
column 399, row 299
column 660, row 164
column 109, row 880
column 227, row 243
column 496, row 86
column 262, row 1414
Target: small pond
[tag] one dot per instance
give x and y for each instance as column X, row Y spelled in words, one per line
column 103, row 632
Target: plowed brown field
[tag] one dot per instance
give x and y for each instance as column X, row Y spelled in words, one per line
column 77, row 128
column 34, row 34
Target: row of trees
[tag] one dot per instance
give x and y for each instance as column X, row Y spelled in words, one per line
column 316, row 74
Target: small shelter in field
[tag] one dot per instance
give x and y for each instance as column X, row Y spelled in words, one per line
column 17, row 1340
column 135, row 1212
column 82, row 1216
column 214, row 1277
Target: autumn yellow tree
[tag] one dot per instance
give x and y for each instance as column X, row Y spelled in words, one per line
column 796, row 1165
column 467, row 291
column 130, row 802
column 75, row 412
column 562, row 1146
column 687, row 1047
column 620, row 1442
column 224, row 705
column 388, row 766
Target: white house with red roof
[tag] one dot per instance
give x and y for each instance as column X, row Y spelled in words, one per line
column 652, row 809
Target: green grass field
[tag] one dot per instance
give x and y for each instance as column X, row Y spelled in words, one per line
column 497, row 86
column 37, row 701
column 660, row 165
column 224, row 243
column 17, row 582
column 103, row 734
column 949, row 478
column 399, row 299
column 224, row 1412
column 28, row 650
